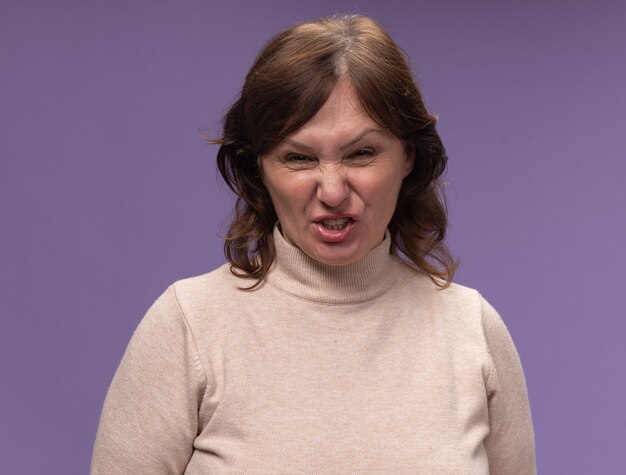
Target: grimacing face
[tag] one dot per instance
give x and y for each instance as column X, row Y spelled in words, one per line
column 334, row 183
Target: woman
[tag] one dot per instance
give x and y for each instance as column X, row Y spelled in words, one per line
column 334, row 341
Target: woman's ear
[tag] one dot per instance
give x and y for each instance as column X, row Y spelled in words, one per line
column 410, row 158
column 259, row 167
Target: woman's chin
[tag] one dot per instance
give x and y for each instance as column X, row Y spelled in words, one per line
column 336, row 254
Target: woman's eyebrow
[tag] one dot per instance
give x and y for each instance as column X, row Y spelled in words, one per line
column 360, row 136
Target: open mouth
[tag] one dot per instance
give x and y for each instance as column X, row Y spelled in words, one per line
column 335, row 224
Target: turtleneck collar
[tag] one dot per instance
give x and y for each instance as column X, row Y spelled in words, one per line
column 296, row 273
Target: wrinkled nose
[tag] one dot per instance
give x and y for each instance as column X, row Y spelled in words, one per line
column 333, row 188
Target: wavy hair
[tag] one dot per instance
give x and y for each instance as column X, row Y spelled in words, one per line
column 290, row 80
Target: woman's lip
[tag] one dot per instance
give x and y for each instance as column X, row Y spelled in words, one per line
column 322, row 217
column 334, row 235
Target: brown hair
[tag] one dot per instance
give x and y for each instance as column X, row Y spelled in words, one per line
column 291, row 79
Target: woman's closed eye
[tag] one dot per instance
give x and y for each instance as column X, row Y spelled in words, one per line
column 297, row 157
column 298, row 160
column 358, row 157
column 361, row 156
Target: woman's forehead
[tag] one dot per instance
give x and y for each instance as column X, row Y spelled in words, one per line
column 341, row 116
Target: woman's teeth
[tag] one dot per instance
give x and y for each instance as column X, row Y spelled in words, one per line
column 335, row 224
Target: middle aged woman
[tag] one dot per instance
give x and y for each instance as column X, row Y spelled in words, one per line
column 334, row 341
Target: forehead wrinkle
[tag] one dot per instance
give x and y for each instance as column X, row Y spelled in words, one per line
column 355, row 140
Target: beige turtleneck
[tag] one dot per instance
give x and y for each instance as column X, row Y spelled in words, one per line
column 366, row 368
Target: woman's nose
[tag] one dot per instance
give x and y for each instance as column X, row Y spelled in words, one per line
column 333, row 188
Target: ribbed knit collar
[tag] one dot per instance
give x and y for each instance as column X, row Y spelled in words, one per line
column 296, row 273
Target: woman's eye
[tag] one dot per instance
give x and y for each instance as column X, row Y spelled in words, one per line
column 362, row 154
column 294, row 157
column 296, row 160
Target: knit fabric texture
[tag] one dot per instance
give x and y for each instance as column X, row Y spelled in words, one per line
column 364, row 368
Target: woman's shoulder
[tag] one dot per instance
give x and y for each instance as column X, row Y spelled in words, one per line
column 217, row 278
column 205, row 290
column 418, row 282
column 455, row 301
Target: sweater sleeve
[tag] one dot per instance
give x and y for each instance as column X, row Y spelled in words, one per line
column 510, row 445
column 150, row 415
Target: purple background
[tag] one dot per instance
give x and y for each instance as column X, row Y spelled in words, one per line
column 108, row 194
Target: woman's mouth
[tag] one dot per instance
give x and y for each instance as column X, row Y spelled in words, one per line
column 335, row 224
column 334, row 229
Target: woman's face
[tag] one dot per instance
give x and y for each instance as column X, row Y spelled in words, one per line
column 334, row 183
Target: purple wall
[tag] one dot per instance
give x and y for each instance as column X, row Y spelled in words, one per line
column 107, row 193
